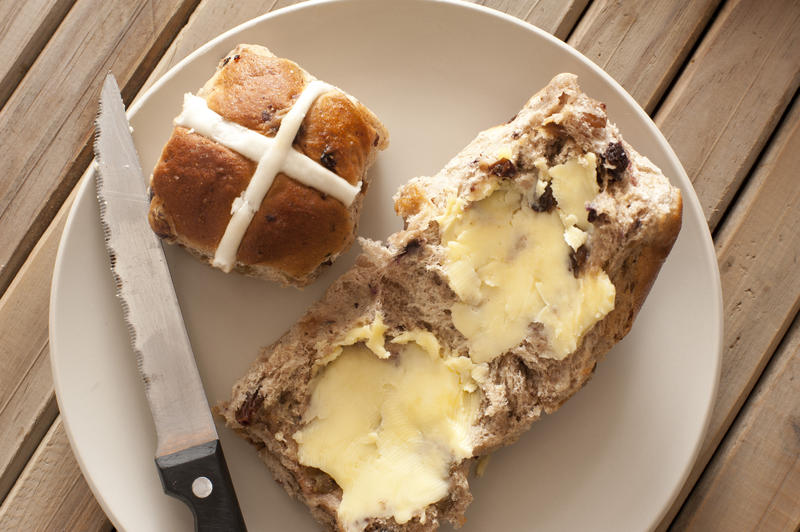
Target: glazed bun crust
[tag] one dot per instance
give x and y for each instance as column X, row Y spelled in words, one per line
column 636, row 218
column 297, row 228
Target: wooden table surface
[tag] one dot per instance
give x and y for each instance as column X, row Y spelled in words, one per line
column 719, row 77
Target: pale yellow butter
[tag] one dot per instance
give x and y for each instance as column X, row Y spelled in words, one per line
column 574, row 183
column 509, row 266
column 575, row 237
column 371, row 334
column 387, row 431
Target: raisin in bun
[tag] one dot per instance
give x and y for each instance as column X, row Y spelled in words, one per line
column 299, row 225
column 522, row 262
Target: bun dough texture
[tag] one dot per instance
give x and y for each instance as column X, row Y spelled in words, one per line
column 522, row 262
column 296, row 229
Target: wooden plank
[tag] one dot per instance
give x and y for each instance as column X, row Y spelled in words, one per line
column 553, row 16
column 50, row 115
column 758, row 250
column 753, row 481
column 51, row 494
column 209, row 20
column 212, row 18
column 27, row 401
column 642, row 44
column 25, row 27
column 30, row 291
column 758, row 253
column 757, row 244
column 721, row 111
column 718, row 117
column 727, row 308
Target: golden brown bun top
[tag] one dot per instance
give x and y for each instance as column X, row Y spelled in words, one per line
column 297, row 227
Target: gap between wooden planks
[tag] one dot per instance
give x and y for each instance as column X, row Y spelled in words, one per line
column 753, row 481
column 212, row 18
column 36, row 405
column 676, row 116
column 31, row 288
column 736, row 86
column 127, row 41
column 52, row 494
column 641, row 44
column 27, row 403
column 554, row 16
column 758, row 251
column 25, row 28
column 50, row 114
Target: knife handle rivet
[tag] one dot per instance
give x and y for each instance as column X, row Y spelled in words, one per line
column 201, row 487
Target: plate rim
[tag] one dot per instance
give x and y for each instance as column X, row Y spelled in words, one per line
column 689, row 197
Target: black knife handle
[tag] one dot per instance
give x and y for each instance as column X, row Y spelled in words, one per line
column 199, row 477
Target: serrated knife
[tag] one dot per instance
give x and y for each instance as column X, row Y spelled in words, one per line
column 188, row 454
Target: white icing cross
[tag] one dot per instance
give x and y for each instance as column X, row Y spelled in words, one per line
column 274, row 155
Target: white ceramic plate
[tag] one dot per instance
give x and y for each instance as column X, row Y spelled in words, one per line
column 612, row 458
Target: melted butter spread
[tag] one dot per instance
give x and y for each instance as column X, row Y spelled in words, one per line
column 509, row 265
column 388, row 430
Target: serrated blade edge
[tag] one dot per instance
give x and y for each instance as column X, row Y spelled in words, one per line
column 144, row 286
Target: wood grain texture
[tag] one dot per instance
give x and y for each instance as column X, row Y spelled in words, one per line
column 642, row 44
column 209, row 19
column 758, row 250
column 52, row 494
column 25, row 27
column 755, row 244
column 51, row 113
column 721, row 111
column 753, row 482
column 27, row 401
column 212, row 18
column 553, row 16
column 30, row 290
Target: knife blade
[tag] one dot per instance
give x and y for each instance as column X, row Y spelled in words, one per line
column 188, row 454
